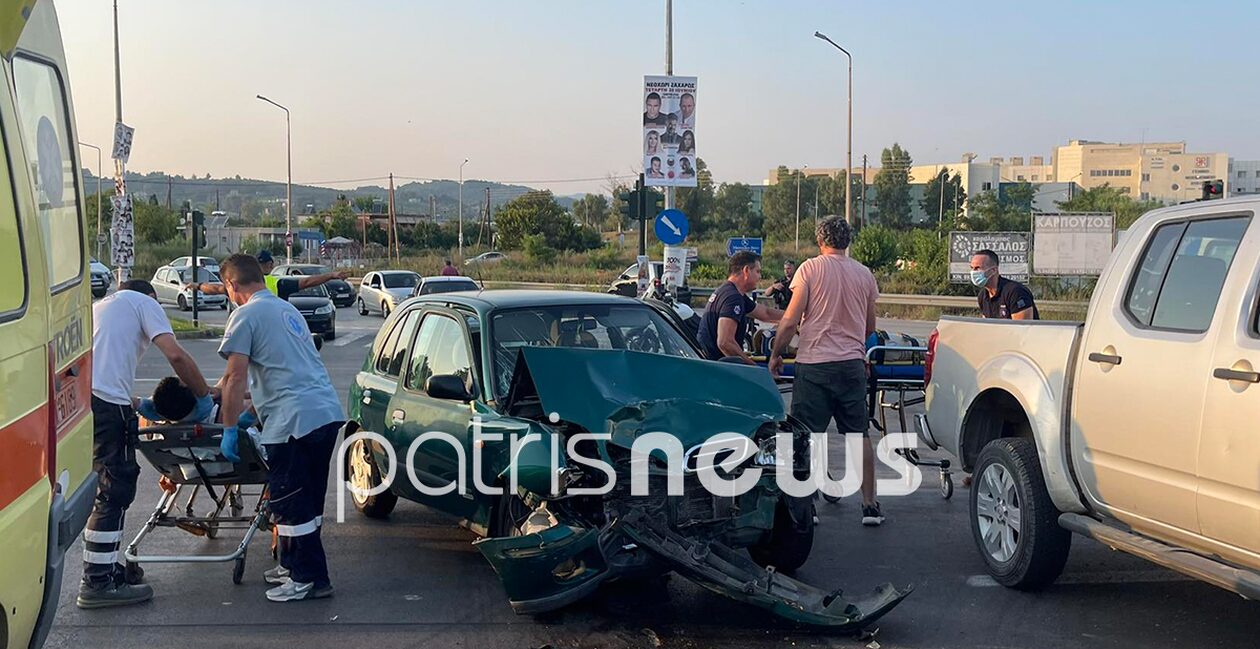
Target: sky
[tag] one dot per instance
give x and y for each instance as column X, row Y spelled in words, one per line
column 548, row 93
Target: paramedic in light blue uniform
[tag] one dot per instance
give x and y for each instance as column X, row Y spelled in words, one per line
column 268, row 348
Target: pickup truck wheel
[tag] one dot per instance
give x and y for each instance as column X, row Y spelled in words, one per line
column 365, row 475
column 1014, row 524
column 789, row 543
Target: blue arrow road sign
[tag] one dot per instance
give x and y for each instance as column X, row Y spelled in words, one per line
column 671, row 227
column 740, row 244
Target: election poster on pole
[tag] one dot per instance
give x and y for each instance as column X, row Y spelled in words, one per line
column 669, row 131
column 122, row 230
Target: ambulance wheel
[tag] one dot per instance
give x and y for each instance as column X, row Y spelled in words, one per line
column 238, row 570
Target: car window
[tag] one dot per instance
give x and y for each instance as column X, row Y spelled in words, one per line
column 310, row 291
column 50, row 146
column 429, row 288
column 1179, row 280
column 401, row 280
column 597, row 326
column 375, row 282
column 394, row 351
column 441, row 349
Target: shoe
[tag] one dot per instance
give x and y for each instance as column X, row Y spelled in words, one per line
column 128, row 573
column 276, row 576
column 292, row 591
column 112, row 594
column 871, row 515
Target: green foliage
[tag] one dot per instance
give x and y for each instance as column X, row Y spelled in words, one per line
column 537, row 251
column 733, row 211
column 707, row 271
column 154, row 223
column 591, row 210
column 954, row 194
column 780, row 204
column 606, row 258
column 892, row 187
column 697, row 203
column 1109, row 199
column 538, row 213
column 989, row 212
column 875, row 246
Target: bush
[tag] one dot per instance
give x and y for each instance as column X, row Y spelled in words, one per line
column 876, row 247
column 707, row 271
column 606, row 258
column 537, row 251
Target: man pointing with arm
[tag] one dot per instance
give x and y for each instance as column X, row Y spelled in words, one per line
column 280, row 286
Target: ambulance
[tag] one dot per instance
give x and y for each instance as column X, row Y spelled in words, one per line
column 46, row 481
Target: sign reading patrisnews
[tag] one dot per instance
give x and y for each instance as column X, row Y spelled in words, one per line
column 1011, row 248
column 669, row 131
column 122, row 142
column 1072, row 243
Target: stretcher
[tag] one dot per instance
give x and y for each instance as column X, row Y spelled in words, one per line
column 191, row 464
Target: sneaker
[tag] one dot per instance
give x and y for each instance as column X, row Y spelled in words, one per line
column 112, row 594
column 871, row 515
column 276, row 576
column 295, row 591
column 128, row 573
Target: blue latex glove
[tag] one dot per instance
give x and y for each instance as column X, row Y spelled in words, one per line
column 148, row 411
column 246, row 420
column 228, row 444
column 205, row 405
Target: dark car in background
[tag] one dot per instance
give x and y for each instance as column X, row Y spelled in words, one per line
column 444, row 284
column 339, row 290
column 102, row 279
column 317, row 309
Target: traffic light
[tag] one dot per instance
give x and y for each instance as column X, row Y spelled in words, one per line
column 629, row 204
column 1213, row 189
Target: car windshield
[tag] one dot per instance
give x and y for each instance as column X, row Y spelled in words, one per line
column 313, row 291
column 203, row 275
column 311, row 270
column 430, row 288
column 631, row 327
column 401, row 280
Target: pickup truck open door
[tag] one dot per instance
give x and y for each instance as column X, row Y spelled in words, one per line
column 1147, row 355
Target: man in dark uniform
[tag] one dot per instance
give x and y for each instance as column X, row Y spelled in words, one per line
column 724, row 325
column 1000, row 298
column 781, row 290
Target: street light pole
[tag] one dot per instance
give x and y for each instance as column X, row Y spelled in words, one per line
column 461, row 208
column 799, row 173
column 98, row 196
column 848, row 200
column 288, row 185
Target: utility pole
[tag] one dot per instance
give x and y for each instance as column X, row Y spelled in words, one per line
column 941, row 190
column 168, row 191
column 393, row 221
column 125, row 231
column 461, row 208
column 669, row 71
column 798, row 209
column 433, row 208
column 642, row 205
column 217, row 207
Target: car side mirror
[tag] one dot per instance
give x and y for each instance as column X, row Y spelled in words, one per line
column 447, row 387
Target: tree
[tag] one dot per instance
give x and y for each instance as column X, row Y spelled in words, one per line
column 591, row 210
column 1109, row 199
column 875, row 246
column 733, row 211
column 538, row 213
column 989, row 212
column 934, row 203
column 892, row 187
column 154, row 223
column 697, row 202
column 780, row 201
column 364, row 204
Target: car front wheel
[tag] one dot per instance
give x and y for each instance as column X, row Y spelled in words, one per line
column 1013, row 521
column 183, row 303
column 362, row 307
column 789, row 543
column 384, row 309
column 363, row 473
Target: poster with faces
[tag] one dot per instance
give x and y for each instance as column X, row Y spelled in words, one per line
column 669, row 131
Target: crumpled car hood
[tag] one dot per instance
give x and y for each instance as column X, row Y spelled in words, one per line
column 628, row 393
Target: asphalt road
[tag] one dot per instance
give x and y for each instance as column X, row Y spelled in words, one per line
column 415, row 580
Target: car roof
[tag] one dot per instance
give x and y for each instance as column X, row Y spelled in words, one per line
column 448, row 278
column 516, row 298
column 396, row 272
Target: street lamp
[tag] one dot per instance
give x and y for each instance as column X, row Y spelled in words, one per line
column 799, row 173
column 288, row 185
column 848, row 200
column 461, row 208
column 98, row 196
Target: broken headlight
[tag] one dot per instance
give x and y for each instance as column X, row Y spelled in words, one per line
column 767, row 452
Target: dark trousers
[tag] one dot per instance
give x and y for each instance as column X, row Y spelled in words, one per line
column 297, row 484
column 114, row 461
column 822, row 392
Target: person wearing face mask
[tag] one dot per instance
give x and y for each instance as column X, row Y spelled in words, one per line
column 1000, row 298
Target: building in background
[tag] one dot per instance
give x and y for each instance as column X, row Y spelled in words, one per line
column 1158, row 171
column 1244, row 178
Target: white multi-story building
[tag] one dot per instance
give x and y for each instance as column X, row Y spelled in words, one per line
column 1244, row 177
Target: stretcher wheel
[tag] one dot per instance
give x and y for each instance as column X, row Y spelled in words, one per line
column 212, row 530
column 947, row 485
column 238, row 570
column 831, row 499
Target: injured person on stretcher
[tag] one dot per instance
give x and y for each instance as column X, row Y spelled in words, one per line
column 173, row 403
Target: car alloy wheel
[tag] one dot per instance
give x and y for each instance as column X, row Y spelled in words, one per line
column 998, row 512
column 183, row 303
column 362, row 307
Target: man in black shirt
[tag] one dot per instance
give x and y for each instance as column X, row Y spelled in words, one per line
column 1000, row 298
column 781, row 290
column 724, row 325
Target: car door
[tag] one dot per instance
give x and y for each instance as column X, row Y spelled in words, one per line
column 373, row 297
column 167, row 287
column 442, row 347
column 1139, row 391
column 379, row 380
column 1229, row 446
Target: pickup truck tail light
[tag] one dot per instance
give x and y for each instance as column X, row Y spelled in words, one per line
column 930, row 356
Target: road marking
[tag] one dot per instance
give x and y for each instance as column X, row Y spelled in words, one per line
column 1098, row 577
column 346, row 339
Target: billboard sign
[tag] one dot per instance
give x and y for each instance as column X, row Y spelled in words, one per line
column 1012, row 249
column 1072, row 243
column 742, row 244
column 669, row 131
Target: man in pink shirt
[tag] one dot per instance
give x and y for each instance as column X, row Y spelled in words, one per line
column 449, row 269
column 833, row 308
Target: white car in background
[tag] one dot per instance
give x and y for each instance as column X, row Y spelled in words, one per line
column 209, row 263
column 171, row 286
column 383, row 290
column 486, row 258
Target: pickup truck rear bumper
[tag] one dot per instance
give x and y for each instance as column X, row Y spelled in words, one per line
column 925, row 431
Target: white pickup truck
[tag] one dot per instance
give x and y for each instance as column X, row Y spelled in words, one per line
column 1139, row 428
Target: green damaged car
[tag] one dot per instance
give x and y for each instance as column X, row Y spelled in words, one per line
column 581, row 435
